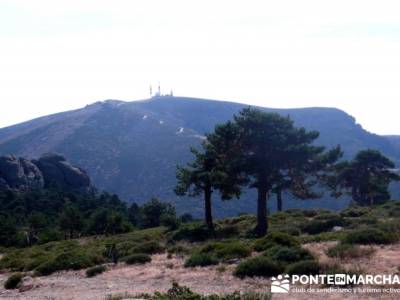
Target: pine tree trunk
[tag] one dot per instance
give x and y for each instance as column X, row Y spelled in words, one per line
column 262, row 222
column 279, row 199
column 208, row 212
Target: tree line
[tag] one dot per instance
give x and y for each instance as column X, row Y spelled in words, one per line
column 267, row 152
column 29, row 217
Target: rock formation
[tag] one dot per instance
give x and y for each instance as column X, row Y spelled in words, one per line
column 48, row 170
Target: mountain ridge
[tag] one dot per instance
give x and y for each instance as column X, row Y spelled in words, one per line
column 132, row 148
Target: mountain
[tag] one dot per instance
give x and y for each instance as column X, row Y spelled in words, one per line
column 132, row 148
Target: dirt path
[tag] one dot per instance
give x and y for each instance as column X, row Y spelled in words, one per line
column 161, row 272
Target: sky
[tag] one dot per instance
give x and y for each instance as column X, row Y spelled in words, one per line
column 61, row 55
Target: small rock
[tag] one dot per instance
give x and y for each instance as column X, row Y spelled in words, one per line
column 25, row 288
column 337, row 228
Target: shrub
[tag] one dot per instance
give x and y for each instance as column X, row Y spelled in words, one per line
column 288, row 255
column 178, row 249
column 170, row 221
column 201, row 260
column 275, row 238
column 310, row 213
column 305, row 267
column 326, row 216
column 318, row 226
column 149, row 247
column 194, row 232
column 186, row 218
column 348, row 251
column 368, row 236
column 91, row 272
column 178, row 292
column 294, row 212
column 225, row 232
column 50, row 235
column 68, row 261
column 259, row 266
column 392, row 226
column 337, row 269
column 13, row 281
column 139, row 259
column 227, row 250
column 354, row 212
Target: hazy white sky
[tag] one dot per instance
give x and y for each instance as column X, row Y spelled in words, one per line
column 59, row 55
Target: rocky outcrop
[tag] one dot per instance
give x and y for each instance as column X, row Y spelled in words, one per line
column 49, row 170
column 57, row 170
column 19, row 173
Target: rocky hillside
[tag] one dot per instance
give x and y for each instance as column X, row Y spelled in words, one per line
column 132, row 148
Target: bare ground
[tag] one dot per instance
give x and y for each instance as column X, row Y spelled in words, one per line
column 161, row 272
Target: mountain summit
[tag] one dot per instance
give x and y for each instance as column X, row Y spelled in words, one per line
column 132, row 148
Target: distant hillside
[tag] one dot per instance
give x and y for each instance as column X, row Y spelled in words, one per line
column 132, row 148
column 394, row 140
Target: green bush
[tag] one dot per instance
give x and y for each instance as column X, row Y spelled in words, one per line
column 337, row 269
column 310, row 213
column 392, row 226
column 348, row 251
column 275, row 238
column 368, row 236
column 294, row 212
column 259, row 266
column 319, row 226
column 178, row 249
column 305, row 267
column 225, row 232
column 354, row 212
column 227, row 250
column 13, row 281
column 50, row 235
column 139, row 258
column 149, row 247
column 170, row 221
column 201, row 260
column 194, row 232
column 288, row 255
column 91, row 272
column 68, row 261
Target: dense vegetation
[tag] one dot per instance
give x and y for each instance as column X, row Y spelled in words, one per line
column 29, row 217
column 231, row 242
